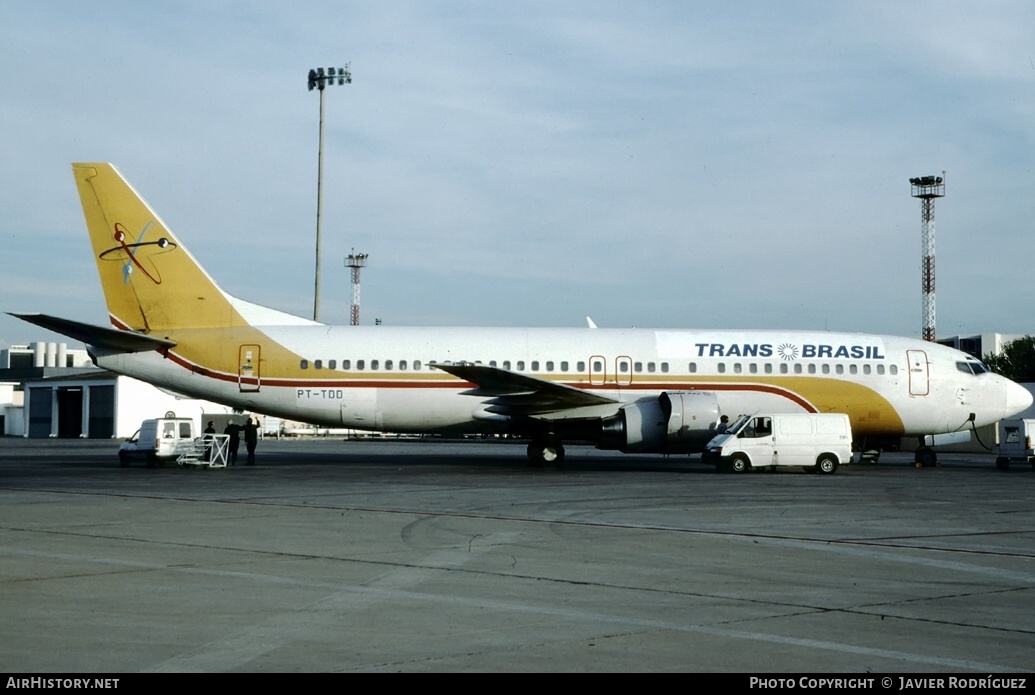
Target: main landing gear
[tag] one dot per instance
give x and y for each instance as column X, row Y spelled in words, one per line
column 543, row 452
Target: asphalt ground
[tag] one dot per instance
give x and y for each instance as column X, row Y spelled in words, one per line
column 384, row 556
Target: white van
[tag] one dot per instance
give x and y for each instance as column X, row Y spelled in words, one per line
column 160, row 439
column 816, row 442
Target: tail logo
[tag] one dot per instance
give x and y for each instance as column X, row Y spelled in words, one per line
column 137, row 253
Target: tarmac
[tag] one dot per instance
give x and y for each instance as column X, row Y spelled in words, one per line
column 441, row 556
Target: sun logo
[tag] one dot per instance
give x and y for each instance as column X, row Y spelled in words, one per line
column 137, row 253
column 788, row 351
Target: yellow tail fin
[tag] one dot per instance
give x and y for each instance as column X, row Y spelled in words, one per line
column 150, row 280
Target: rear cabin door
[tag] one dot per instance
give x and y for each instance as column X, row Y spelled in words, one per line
column 248, row 368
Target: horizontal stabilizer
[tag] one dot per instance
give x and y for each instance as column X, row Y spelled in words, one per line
column 98, row 336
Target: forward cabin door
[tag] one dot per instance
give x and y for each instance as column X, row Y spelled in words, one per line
column 248, row 368
column 919, row 377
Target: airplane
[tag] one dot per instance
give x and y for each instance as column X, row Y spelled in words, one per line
column 633, row 390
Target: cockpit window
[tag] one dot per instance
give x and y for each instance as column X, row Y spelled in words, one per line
column 974, row 367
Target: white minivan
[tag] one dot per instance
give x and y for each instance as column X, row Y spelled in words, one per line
column 818, row 442
column 158, row 440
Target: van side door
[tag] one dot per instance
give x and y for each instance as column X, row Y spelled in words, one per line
column 758, row 442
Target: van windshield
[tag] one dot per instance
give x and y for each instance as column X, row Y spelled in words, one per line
column 738, row 424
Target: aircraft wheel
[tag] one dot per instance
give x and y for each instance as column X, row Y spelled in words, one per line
column 926, row 457
column 826, row 464
column 540, row 454
column 1002, row 463
column 740, row 464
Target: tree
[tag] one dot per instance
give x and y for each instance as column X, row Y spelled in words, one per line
column 1017, row 360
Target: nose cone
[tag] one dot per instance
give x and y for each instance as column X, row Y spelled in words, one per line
column 1018, row 399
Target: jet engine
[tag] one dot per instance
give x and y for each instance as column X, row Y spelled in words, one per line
column 674, row 422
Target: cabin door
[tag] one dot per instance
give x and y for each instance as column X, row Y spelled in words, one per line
column 919, row 377
column 248, row 368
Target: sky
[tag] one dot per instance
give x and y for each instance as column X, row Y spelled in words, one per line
column 654, row 164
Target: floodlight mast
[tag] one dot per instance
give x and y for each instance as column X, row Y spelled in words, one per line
column 927, row 188
column 356, row 261
column 318, row 79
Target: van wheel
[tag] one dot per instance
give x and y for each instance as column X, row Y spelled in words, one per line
column 1002, row 463
column 826, row 464
column 124, row 459
column 740, row 464
column 151, row 461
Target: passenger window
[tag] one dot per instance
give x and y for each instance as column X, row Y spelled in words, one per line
column 318, row 364
column 549, row 366
column 736, row 368
column 768, row 368
column 853, row 369
column 812, row 369
column 825, row 368
column 880, row 368
column 564, row 366
column 753, row 368
column 784, row 368
column 693, row 367
column 840, row 369
column 664, row 367
column 521, row 365
column 346, row 364
column 866, row 369
column 651, row 367
column 304, row 364
column 535, row 365
column 506, row 364
column 797, row 369
column 332, row 364
column 360, row 364
column 598, row 366
column 402, row 365
column 374, row 364
column 388, row 365
column 416, row 365
column 893, row 369
column 722, row 367
column 580, row 367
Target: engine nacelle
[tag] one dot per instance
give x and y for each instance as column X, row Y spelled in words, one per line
column 674, row 422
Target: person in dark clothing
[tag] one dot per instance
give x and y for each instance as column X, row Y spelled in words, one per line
column 251, row 438
column 234, row 432
column 209, row 431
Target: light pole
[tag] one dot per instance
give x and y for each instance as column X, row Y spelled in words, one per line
column 318, row 79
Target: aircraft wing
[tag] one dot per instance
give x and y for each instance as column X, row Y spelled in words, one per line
column 511, row 393
column 98, row 336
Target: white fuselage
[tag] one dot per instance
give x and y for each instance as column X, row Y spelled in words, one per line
column 382, row 378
